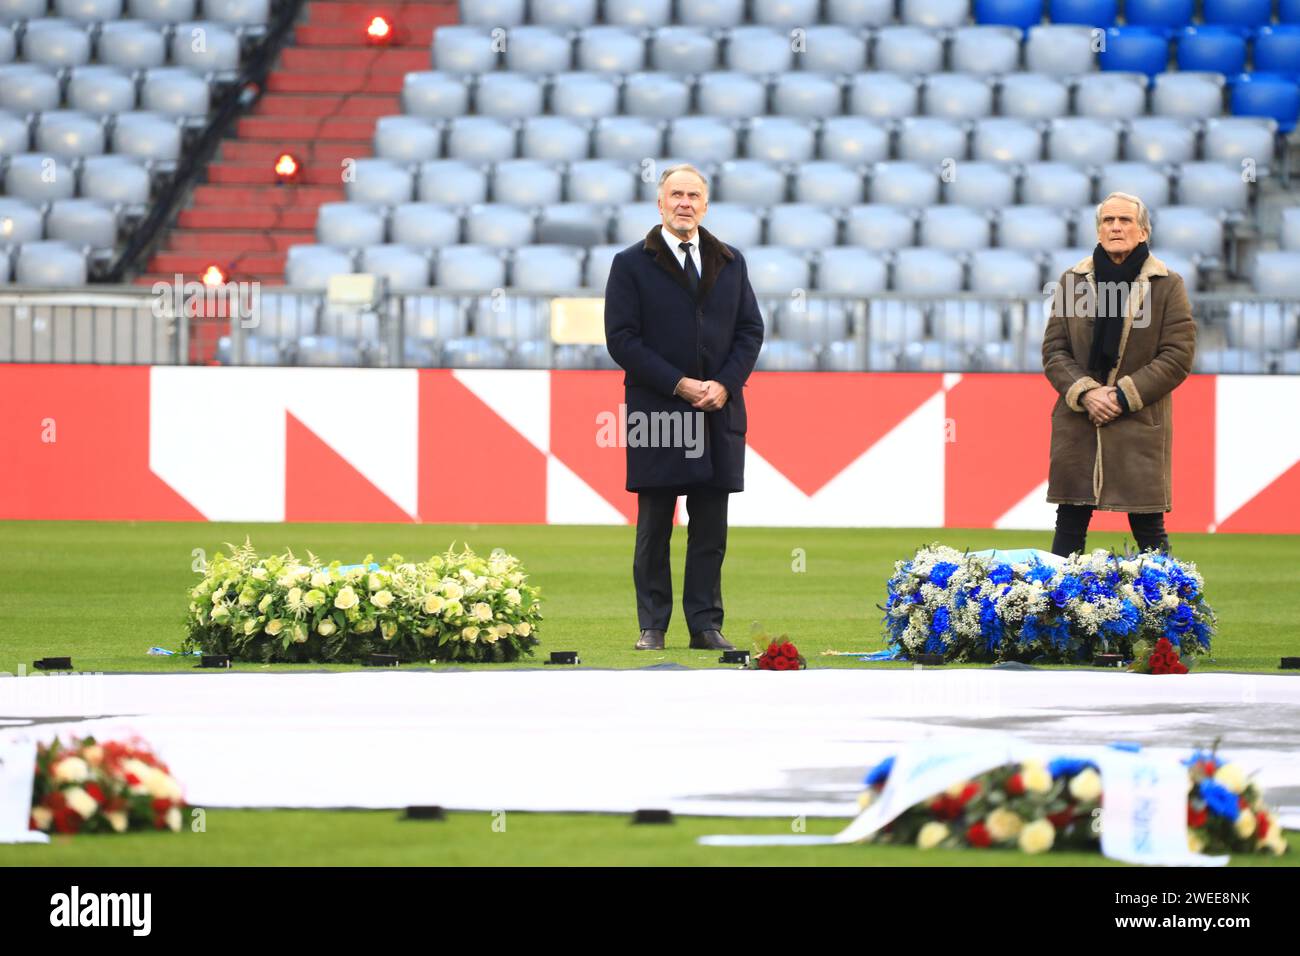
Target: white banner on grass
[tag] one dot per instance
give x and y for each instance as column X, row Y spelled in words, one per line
column 17, row 775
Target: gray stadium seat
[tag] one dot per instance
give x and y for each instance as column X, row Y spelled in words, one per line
column 555, row 138
column 1083, row 140
column 785, row 13
column 424, row 225
column 205, row 46
column 933, row 356
column 854, row 140
column 68, row 134
column 601, row 181
column 883, row 96
column 328, row 351
column 969, row 323
column 531, row 353
column 547, row 268
column 20, row 222
column 380, row 181
column 831, row 48
column 957, row 96
column 1188, row 95
column 82, row 222
column 1060, row 49
column 238, row 12
column 781, row 139
column 258, row 350
column 1111, row 95
column 132, row 45
column 418, row 354
column 860, row 13
column 173, row 91
column 573, row 224
column 56, row 43
column 806, row 94
column 15, row 137
column 997, row 357
column 525, row 182
column 1277, row 273
column 349, row 225
column 483, row 139
column 1262, row 325
column 731, row 94
column 633, row 220
column 982, row 185
column 929, row 139
column 1060, row 260
column 1234, row 139
column 907, row 49
column 115, row 179
column 1230, row 362
column 758, row 49
column 562, row 13
column 474, row 353
column 539, row 49
column 433, row 94
column 584, row 95
column 852, row 270
column 1006, row 140
column 985, row 49
column 826, row 183
column 433, row 317
column 282, row 315
column 1055, row 184
column 639, row 13
column 452, row 181
column 934, row 271
column 736, row 224
column 1033, row 96
column 879, row 228
column 599, row 258
column 935, row 14
column 39, row 178
column 1004, row 272
column 627, row 137
column 904, row 184
column 103, row 90
column 1032, row 228
column 470, row 267
column 801, row 226
column 406, row 139
column 656, row 94
column 1291, row 228
column 610, row 49
column 28, row 88
column 955, row 228
column 1159, row 139
column 1185, row 266
column 50, row 264
column 683, row 49
column 894, row 323
column 464, row 49
column 8, row 45
column 1137, row 179
column 22, row 9
column 492, row 13
column 750, row 181
column 512, row 318
column 815, row 322
column 163, row 11
column 777, row 271
column 508, row 95
column 1212, row 185
column 778, row 356
column 503, row 227
column 707, row 138
column 311, row 266
column 1288, row 362
column 402, row 267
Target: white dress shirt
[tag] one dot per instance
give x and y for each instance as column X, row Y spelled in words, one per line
column 673, row 244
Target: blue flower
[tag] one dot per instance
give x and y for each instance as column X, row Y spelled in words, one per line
column 1201, row 631
column 1066, row 590
column 1039, row 572
column 1179, row 623
column 941, row 620
column 941, row 572
column 1149, row 583
column 1221, row 801
column 990, row 624
column 879, row 773
column 1127, row 622
column 1001, row 574
column 1069, row 767
column 916, row 598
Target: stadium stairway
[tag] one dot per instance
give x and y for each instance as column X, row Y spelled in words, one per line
column 320, row 105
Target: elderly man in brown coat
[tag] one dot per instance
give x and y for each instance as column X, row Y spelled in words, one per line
column 1121, row 338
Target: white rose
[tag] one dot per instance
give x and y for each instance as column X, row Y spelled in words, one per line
column 174, row 819
column 1245, row 825
column 512, row 596
column 1036, row 777
column 381, row 599
column 250, row 626
column 42, row 817
column 490, row 635
column 931, row 835
column 453, row 609
column 247, row 597
column 482, row 612
column 286, row 580
column 375, row 583
column 469, row 634
column 117, row 819
column 1037, row 837
column 71, row 770
column 259, row 574
column 274, row 627
column 163, row 787
column 265, row 603
column 346, row 599
column 523, row 629
column 433, row 603
column 320, row 579
column 1003, row 824
column 1086, row 786
column 452, row 591
column 295, row 596
column 85, row 806
column 1231, row 777
column 1169, row 601
column 326, row 627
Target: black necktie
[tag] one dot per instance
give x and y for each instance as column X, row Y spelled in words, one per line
column 692, row 276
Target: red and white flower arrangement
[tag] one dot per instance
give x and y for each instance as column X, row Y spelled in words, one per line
column 88, row 787
column 1160, row 659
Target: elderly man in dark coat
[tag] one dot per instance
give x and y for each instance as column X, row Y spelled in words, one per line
column 1121, row 338
column 682, row 322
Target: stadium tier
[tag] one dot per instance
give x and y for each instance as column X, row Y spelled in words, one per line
column 903, row 178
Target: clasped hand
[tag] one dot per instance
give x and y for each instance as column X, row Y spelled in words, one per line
column 1102, row 405
column 706, row 396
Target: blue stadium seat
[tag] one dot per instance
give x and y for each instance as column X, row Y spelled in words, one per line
column 1012, row 13
column 1168, row 15
column 1135, row 49
column 1248, row 14
column 1212, row 49
column 1093, row 13
column 1267, row 94
column 1277, row 50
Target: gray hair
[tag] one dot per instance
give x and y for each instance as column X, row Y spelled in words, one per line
column 1144, row 216
column 684, row 168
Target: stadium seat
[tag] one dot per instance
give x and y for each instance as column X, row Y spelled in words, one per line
column 205, row 46
column 638, row 13
column 923, row 270
column 777, row 271
column 706, row 138
column 516, row 95
column 538, row 49
column 997, row 357
column 955, row 228
column 930, row 139
column 1267, row 326
column 904, row 184
column 883, row 96
column 547, row 268
column 735, row 223
column 172, row 91
column 712, row 13
column 1137, row 179
column 903, row 49
column 1006, row 140
column 778, row 356
column 633, row 220
column 957, row 96
column 1032, row 228
column 985, row 49
column 853, row 140
column 511, row 319
column 39, row 178
column 310, row 266
column 1167, row 15
column 132, row 45
column 935, row 14
column 982, row 185
column 1291, row 228
column 434, row 95
column 69, row 134
column 27, row 88
column 238, row 12
column 732, row 94
column 1267, row 94
column 50, row 263
column 470, row 268
column 1158, row 139
column 879, row 228
column 1093, row 13
column 573, row 224
column 656, row 94
column 1212, row 186
column 482, row 139
column 968, row 324
column 406, row 139
column 683, row 49
column 1184, row 265
column 115, row 179
column 1230, row 362
column 775, row 139
column 424, row 225
column 1188, row 95
column 492, row 13
column 1288, row 362
column 329, row 351
column 825, row 183
column 933, row 356
column 785, row 13
column 105, row 90
column 15, row 136
column 806, row 94
column 583, row 95
column 562, row 13
column 1111, row 95
column 1057, row 50
column 284, row 315
column 8, row 45
column 1059, row 185
column 599, row 258
column 1277, row 273
column 851, row 270
column 452, row 182
column 1083, row 140
column 758, row 49
column 832, row 48
column 56, row 43
column 627, row 137
column 1013, row 13
column 526, row 182
column 1034, row 96
column 1245, row 14
column 501, row 227
column 1277, row 50
column 1234, row 139
column 380, row 181
column 428, row 318
column 610, row 49
column 20, row 222
column 1135, row 49
column 258, row 350
column 1212, row 49
column 847, row 356
column 555, row 139
column 801, row 226
column 349, row 225
column 601, row 181
column 1188, row 229
column 82, row 222
column 817, row 322
column 750, row 181
column 163, row 11
column 403, row 268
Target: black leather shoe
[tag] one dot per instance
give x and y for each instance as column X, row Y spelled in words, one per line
column 651, row 640
column 710, row 640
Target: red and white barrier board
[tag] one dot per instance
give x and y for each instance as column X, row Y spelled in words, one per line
column 438, row 445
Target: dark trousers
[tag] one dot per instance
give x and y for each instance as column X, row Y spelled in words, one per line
column 1072, row 529
column 706, row 544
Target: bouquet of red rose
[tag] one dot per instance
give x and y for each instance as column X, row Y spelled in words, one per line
column 89, row 787
column 780, row 655
column 1161, row 659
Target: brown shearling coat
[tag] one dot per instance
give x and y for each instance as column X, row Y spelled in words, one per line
column 1124, row 465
